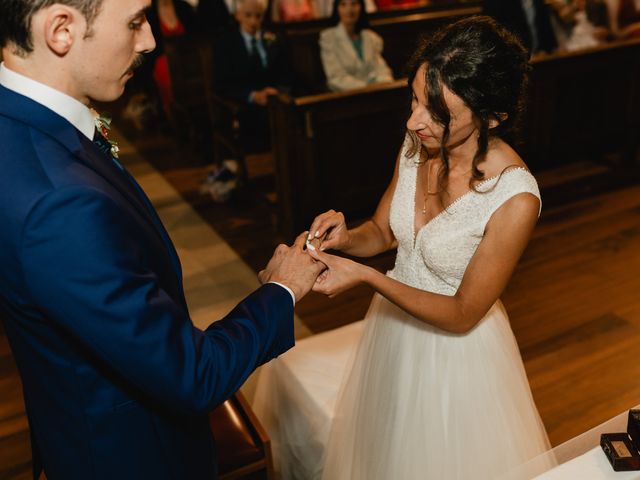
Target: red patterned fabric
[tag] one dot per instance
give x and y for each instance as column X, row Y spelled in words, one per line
column 161, row 73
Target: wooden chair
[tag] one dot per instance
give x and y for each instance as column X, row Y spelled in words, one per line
column 244, row 448
column 191, row 65
column 228, row 137
column 189, row 59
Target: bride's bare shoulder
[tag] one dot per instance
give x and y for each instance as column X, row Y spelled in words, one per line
column 500, row 156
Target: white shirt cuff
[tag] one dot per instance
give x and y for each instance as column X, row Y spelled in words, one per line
column 293, row 296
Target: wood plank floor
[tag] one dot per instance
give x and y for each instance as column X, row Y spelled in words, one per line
column 573, row 301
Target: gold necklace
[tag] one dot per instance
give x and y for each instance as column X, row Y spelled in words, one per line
column 426, row 192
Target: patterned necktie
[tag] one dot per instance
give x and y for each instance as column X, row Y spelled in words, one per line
column 254, row 54
column 101, row 142
column 105, row 147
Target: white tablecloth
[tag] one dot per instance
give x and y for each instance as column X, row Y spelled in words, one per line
column 592, row 465
column 304, row 383
column 580, row 458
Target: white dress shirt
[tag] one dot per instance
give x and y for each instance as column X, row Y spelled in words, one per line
column 75, row 112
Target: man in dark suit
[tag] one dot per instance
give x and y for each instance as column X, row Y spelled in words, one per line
column 251, row 65
column 117, row 380
column 527, row 19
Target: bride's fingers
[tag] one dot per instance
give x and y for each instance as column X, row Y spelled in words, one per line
column 333, row 237
column 318, row 222
column 322, row 224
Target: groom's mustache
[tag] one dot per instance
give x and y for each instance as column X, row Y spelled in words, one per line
column 139, row 60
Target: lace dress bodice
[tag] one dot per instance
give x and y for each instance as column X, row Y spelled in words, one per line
column 436, row 258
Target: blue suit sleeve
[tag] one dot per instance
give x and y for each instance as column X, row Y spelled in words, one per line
column 86, row 263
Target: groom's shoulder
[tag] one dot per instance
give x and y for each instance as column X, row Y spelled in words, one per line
column 16, row 140
column 18, row 125
column 32, row 162
column 34, row 140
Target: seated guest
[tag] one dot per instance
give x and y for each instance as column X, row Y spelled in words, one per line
column 598, row 15
column 624, row 18
column 579, row 23
column 150, row 103
column 529, row 20
column 293, row 10
column 351, row 53
column 391, row 4
column 168, row 18
column 324, row 8
column 249, row 66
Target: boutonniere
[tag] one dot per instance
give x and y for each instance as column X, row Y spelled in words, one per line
column 268, row 37
column 103, row 124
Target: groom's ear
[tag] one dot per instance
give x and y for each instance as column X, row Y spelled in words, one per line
column 59, row 27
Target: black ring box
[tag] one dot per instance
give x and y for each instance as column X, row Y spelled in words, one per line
column 623, row 449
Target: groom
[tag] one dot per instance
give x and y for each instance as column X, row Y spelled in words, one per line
column 117, row 380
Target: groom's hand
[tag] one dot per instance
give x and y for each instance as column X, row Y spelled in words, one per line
column 340, row 275
column 293, row 267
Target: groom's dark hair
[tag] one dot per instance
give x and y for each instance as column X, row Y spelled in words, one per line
column 16, row 15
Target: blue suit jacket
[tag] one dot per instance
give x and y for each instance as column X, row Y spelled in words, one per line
column 117, row 380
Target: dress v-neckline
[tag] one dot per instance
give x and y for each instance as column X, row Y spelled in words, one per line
column 416, row 231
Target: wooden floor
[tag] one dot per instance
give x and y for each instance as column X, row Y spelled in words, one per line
column 574, row 300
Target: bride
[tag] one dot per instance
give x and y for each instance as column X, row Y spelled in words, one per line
column 437, row 389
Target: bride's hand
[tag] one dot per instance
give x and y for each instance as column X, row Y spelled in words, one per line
column 340, row 275
column 332, row 224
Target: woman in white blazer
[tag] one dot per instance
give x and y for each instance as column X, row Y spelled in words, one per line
column 351, row 53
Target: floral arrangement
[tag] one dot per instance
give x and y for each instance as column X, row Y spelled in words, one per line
column 103, row 124
column 268, row 37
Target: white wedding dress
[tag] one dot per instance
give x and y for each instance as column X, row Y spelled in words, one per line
column 416, row 402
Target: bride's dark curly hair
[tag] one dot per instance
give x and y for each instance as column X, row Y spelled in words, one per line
column 484, row 65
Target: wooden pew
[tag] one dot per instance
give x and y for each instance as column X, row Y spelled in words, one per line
column 337, row 150
column 584, row 105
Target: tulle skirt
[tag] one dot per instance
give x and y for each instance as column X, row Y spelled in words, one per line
column 415, row 402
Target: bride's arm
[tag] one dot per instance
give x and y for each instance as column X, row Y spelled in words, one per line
column 487, row 274
column 366, row 240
